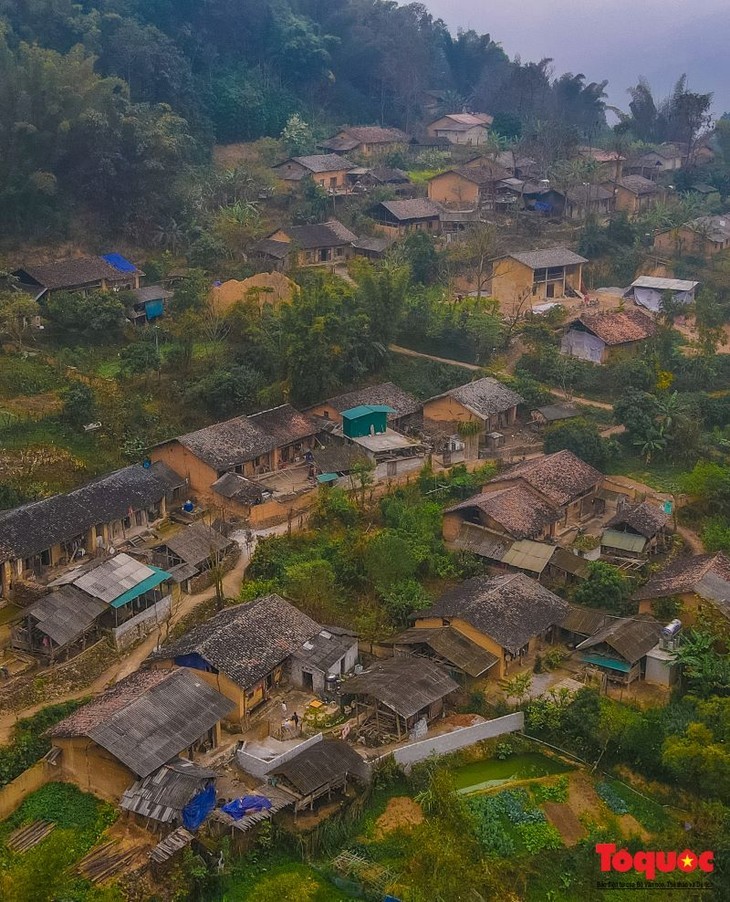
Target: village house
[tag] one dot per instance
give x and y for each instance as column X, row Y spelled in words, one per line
column 564, row 481
column 637, row 530
column 663, row 158
column 650, row 291
column 586, row 200
column 485, row 402
column 248, row 650
column 133, row 729
column 313, row 244
column 461, row 128
column 616, row 646
column 393, row 696
column 372, row 247
column 603, row 337
column 636, row 194
column 520, row 167
column 318, row 771
column 391, row 453
column 367, row 140
column 120, row 596
column 362, row 178
column 705, row 237
column 463, row 659
column 538, row 197
column 509, row 616
column 195, row 554
column 609, row 163
column 397, row 218
column 110, row 272
column 245, row 446
column 468, row 187
column 554, row 413
column 407, row 410
column 698, row 584
column 328, row 170
column 37, row 539
column 148, row 304
column 543, row 275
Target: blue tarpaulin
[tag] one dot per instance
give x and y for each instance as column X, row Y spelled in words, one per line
column 198, row 808
column 238, row 808
column 154, row 309
column 119, row 262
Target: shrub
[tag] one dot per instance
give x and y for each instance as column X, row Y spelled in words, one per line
column 29, row 745
column 489, row 830
column 553, row 658
column 552, row 792
column 538, row 836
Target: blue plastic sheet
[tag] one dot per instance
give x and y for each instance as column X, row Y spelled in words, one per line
column 246, row 805
column 198, row 808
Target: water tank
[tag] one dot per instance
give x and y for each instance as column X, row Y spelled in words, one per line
column 188, row 506
column 671, row 629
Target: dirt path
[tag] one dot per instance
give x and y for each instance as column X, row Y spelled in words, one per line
column 131, row 662
column 578, row 400
column 397, row 349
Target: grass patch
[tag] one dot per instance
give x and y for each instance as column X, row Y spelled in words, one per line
column 28, row 743
column 21, row 375
column 46, row 872
column 421, row 176
column 423, row 378
column 662, row 475
column 277, row 877
column 647, row 812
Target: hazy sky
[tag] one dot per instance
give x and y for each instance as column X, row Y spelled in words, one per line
column 614, row 39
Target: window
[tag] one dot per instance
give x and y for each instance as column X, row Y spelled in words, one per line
column 339, row 251
column 333, row 181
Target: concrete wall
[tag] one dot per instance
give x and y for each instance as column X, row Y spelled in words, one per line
column 258, row 767
column 458, row 739
column 142, row 624
column 402, row 465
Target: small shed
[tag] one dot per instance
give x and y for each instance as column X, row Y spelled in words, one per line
column 331, row 653
column 649, row 291
column 366, row 419
column 393, row 695
column 320, row 770
column 620, row 647
column 163, row 796
column 446, row 646
column 553, row 413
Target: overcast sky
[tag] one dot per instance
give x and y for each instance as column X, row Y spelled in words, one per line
column 618, row 40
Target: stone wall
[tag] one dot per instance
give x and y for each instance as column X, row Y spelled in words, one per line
column 142, row 624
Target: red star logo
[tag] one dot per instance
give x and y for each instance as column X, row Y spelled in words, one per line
column 686, row 861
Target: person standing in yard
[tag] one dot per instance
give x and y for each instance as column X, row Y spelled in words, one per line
column 295, row 720
column 283, row 709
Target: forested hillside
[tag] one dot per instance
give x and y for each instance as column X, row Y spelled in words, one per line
column 107, row 105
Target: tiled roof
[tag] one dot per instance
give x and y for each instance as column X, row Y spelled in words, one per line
column 484, row 397
column 268, row 247
column 450, row 645
column 517, row 509
column 638, row 185
column 561, row 477
column 464, row 121
column 382, row 393
column 405, row 685
column 619, row 327
column 247, row 641
column 645, row 518
column 324, row 234
column 510, row 609
column 376, row 134
column 33, row 528
column 707, row 575
column 415, row 208
column 484, row 174
column 556, row 256
column 323, row 162
column 629, row 637
column 232, row 442
column 583, row 194
column 238, row 488
column 72, row 272
column 716, row 228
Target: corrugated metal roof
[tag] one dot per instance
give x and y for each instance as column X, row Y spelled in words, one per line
column 158, row 577
column 664, row 284
column 114, row 577
column 629, row 637
column 162, row 723
column 66, row 614
column 623, row 541
column 363, row 409
column 328, row 761
column 451, row 645
column 163, row 794
column 527, row 555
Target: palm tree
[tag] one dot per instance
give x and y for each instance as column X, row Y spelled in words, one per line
column 654, row 442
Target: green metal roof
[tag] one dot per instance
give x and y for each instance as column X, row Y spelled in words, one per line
column 363, row 409
column 327, row 477
column 159, row 576
column 624, row 541
column 610, row 663
column 527, row 555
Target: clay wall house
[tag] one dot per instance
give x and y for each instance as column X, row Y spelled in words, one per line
column 328, row 170
column 110, row 272
column 508, row 616
column 367, row 140
column 398, row 218
column 468, row 187
column 316, row 244
column 248, row 650
column 636, row 194
column 407, row 409
column 705, row 237
column 133, row 729
column 37, row 539
column 461, row 128
column 588, row 200
column 699, row 584
column 540, row 275
column 602, row 337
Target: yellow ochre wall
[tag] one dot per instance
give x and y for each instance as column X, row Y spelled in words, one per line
column 454, row 190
